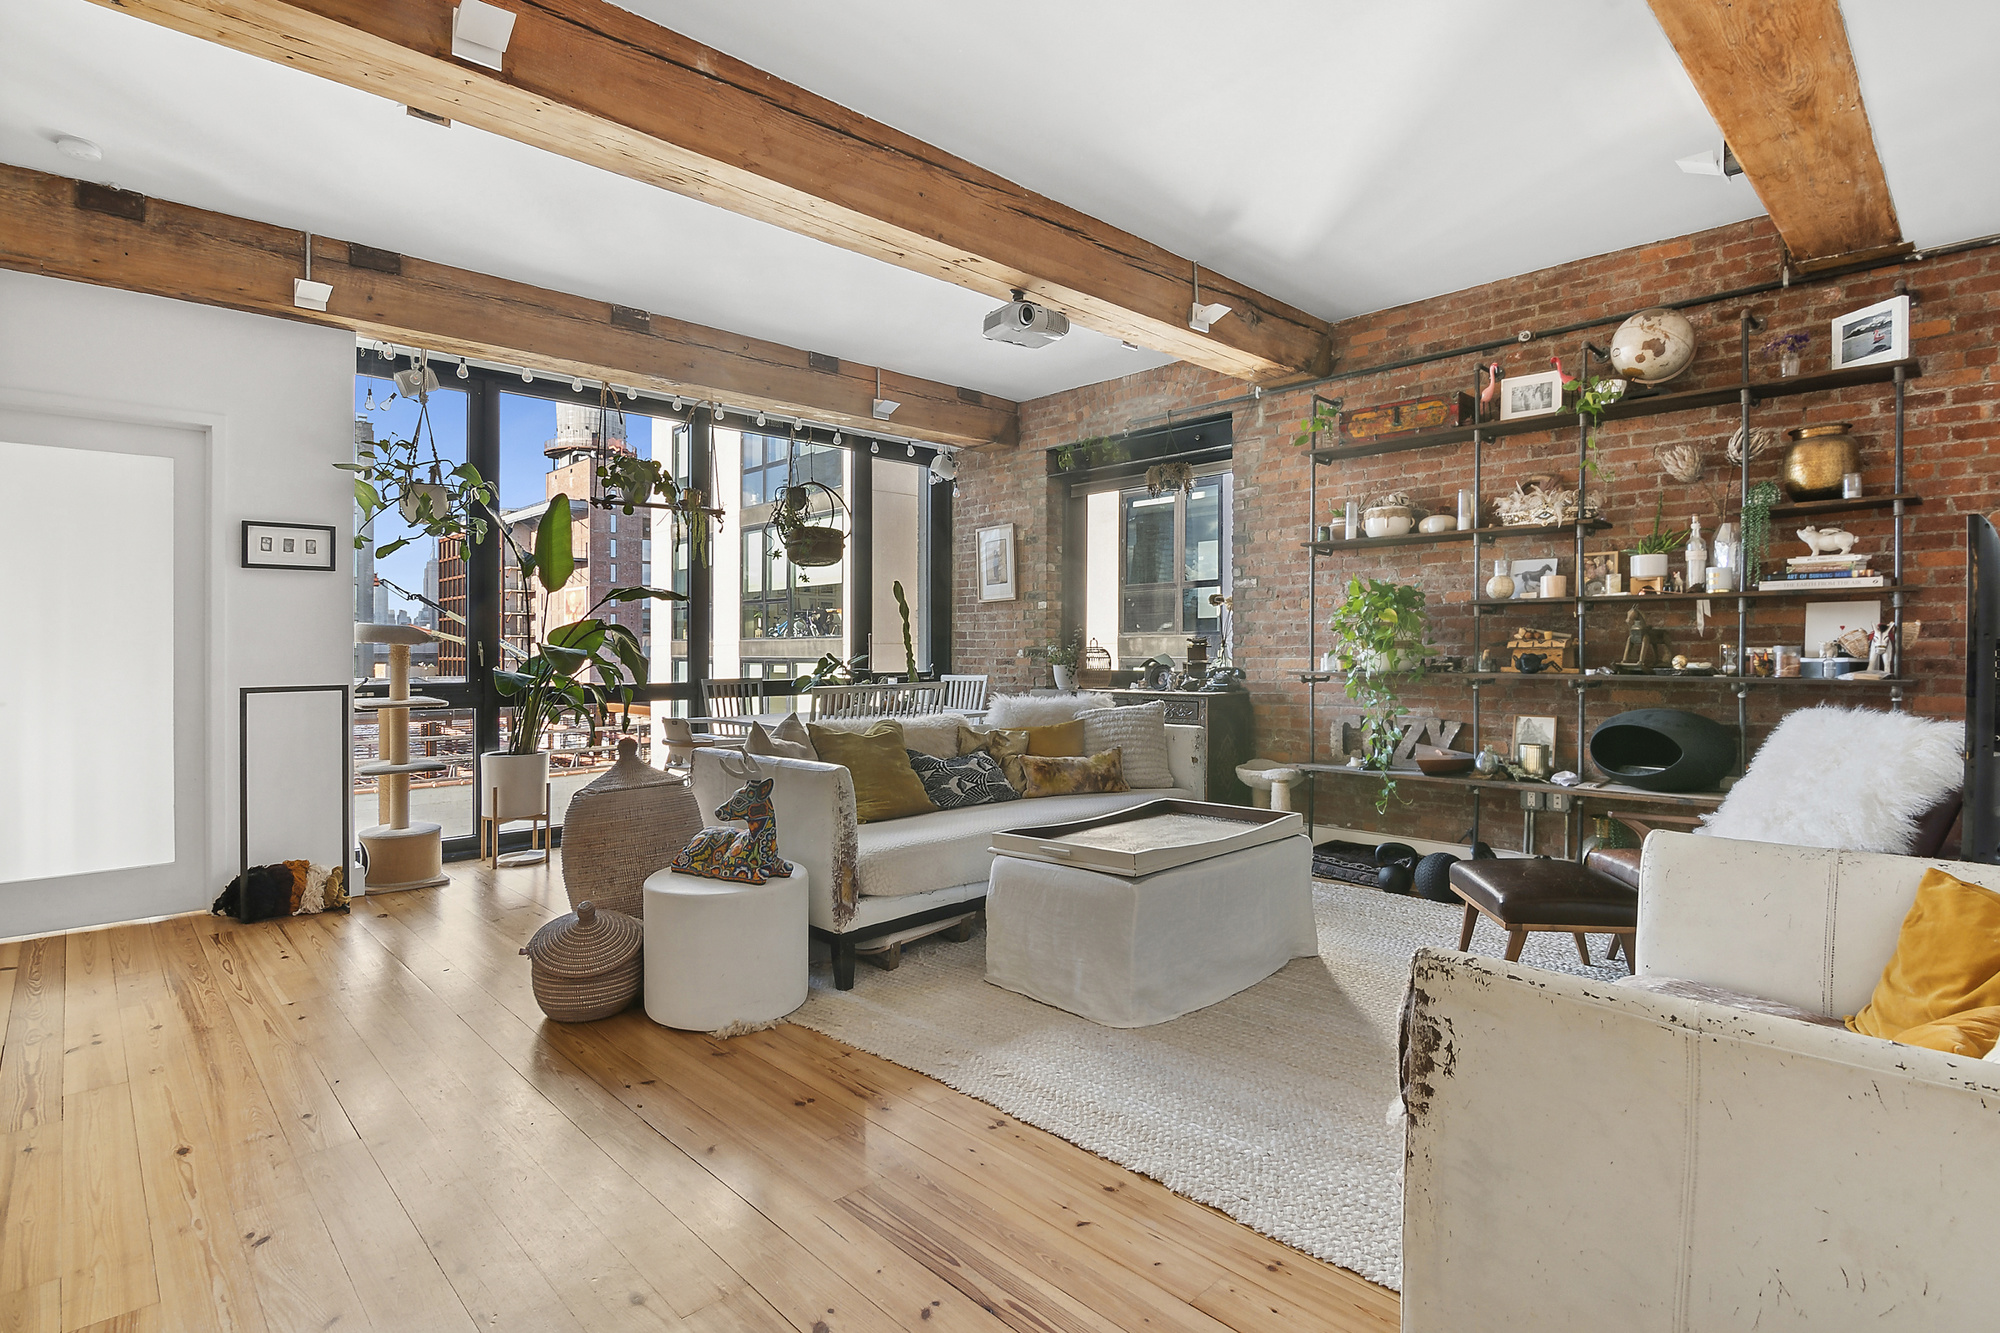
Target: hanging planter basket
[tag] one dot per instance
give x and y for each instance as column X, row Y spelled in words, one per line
column 810, row 537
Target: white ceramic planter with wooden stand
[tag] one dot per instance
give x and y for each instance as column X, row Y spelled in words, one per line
column 511, row 787
column 1649, row 566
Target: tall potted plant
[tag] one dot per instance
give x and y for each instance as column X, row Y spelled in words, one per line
column 1062, row 659
column 576, row 671
column 1381, row 634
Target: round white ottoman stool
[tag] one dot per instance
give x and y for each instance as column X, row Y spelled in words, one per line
column 720, row 954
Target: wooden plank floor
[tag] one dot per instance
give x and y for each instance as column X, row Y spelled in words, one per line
column 363, row 1121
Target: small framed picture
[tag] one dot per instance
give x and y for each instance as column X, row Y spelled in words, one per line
column 1531, row 395
column 1527, row 575
column 1535, row 731
column 287, row 546
column 1599, row 574
column 996, row 564
column 1880, row 332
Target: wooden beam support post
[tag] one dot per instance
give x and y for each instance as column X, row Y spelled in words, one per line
column 56, row 226
column 593, row 82
column 1779, row 79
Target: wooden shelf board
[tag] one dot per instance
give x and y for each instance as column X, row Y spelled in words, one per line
column 1610, row 792
column 1576, row 681
column 1821, row 594
column 1806, row 508
column 1645, row 405
column 1497, row 533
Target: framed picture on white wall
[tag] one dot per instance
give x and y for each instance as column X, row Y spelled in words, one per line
column 996, row 564
column 287, row 546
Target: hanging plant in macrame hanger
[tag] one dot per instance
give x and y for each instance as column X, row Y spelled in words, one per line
column 809, row 533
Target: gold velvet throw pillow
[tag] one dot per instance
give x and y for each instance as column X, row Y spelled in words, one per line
column 1947, row 959
column 1059, row 741
column 1004, row 747
column 1074, row 775
column 885, row 786
column 1972, row 1033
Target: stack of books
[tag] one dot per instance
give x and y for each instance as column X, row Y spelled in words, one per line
column 1823, row 573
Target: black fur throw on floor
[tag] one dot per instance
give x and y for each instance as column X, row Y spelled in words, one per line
column 285, row 888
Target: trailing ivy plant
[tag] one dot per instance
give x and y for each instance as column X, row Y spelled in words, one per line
column 436, row 499
column 1381, row 635
column 1325, row 417
column 1756, row 533
column 631, row 483
column 1591, row 401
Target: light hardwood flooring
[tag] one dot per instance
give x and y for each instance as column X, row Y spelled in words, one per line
column 363, row 1121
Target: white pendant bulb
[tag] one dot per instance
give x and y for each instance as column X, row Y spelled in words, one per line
column 631, row 395
column 910, row 449
column 576, row 383
column 369, row 406
column 527, row 376
column 464, row 372
column 874, row 446
column 760, row 418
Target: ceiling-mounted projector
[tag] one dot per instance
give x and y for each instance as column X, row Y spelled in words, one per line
column 1025, row 324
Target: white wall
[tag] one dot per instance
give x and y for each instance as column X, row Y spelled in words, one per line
column 273, row 401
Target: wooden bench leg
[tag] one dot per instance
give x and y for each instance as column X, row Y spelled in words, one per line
column 1582, row 947
column 962, row 932
column 1465, row 932
column 1516, row 937
column 1630, row 940
column 888, row 959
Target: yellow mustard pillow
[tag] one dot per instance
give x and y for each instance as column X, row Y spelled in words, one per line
column 1063, row 740
column 1947, row 959
column 1972, row 1033
column 885, row 786
column 1003, row 747
column 1073, row 775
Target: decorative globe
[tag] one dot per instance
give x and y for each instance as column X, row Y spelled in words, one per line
column 1653, row 346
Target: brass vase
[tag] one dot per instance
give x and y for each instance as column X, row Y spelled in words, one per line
column 1819, row 457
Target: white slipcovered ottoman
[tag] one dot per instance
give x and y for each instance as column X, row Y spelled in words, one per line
column 1130, row 952
column 722, row 955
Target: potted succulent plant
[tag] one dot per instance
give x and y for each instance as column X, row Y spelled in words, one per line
column 1381, row 636
column 1651, row 552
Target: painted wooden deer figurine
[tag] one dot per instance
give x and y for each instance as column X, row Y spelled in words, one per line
column 743, row 856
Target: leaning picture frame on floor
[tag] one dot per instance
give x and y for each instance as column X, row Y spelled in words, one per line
column 1529, row 730
column 1531, row 395
column 997, row 581
column 1879, row 332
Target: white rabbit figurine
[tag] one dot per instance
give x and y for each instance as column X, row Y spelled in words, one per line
column 1827, row 541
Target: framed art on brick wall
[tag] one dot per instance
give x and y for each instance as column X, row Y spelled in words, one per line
column 996, row 564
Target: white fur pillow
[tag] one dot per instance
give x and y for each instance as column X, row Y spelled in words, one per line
column 1141, row 732
column 934, row 734
column 1851, row 778
column 1048, row 710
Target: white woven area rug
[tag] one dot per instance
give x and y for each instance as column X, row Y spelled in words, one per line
column 1269, row 1105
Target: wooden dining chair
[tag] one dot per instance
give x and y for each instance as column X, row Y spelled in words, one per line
column 965, row 694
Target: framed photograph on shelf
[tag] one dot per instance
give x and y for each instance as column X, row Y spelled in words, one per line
column 1527, row 575
column 1531, row 395
column 287, row 546
column 1879, row 332
column 1535, row 731
column 1599, row 576
column 996, row 564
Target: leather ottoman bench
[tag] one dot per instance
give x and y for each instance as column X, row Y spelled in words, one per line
column 1522, row 894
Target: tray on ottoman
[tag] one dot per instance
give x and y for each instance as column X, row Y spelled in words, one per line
column 1149, row 838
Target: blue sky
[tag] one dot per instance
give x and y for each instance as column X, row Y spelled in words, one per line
column 526, row 424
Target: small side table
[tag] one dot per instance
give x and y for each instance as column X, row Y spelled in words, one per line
column 720, row 954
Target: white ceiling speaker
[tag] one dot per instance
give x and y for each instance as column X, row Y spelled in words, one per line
column 307, row 295
column 1201, row 316
column 944, row 467
column 83, row 150
column 1716, row 161
column 884, row 408
column 480, row 32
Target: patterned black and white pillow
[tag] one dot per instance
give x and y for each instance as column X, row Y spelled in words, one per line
column 967, row 779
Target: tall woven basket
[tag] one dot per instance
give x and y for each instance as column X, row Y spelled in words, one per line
column 631, row 821
column 586, row 964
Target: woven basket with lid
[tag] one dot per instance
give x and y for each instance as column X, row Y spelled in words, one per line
column 629, row 822
column 586, row 964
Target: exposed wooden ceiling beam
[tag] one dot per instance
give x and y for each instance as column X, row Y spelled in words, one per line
column 1779, row 79
column 194, row 255
column 593, row 82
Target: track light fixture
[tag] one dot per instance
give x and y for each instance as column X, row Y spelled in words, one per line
column 944, row 467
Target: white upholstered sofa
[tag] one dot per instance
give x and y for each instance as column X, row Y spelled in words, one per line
column 1584, row 1155
column 872, row 880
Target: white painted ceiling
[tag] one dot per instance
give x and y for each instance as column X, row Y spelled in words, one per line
column 1344, row 156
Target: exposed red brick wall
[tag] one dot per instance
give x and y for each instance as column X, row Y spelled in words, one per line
column 1950, row 440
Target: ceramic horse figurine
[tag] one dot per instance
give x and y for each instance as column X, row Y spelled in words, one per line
column 742, row 856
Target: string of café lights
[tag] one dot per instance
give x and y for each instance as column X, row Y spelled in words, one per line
column 685, row 404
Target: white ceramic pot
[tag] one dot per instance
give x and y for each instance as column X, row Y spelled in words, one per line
column 1065, row 678
column 1438, row 523
column 1387, row 525
column 1649, row 566
column 520, row 783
